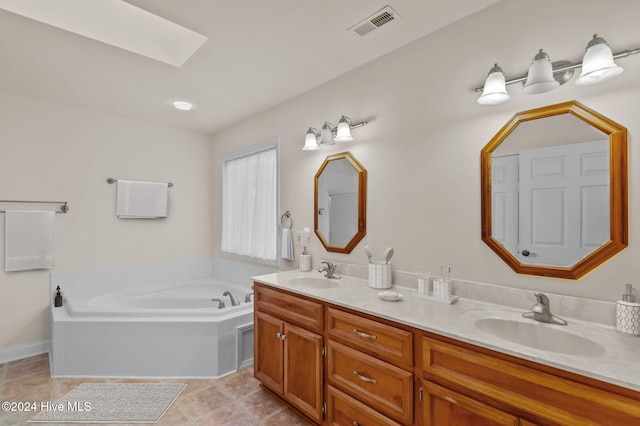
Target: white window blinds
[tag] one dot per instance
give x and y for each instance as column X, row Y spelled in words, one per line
column 249, row 204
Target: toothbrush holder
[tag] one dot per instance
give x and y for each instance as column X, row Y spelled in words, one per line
column 305, row 262
column 379, row 275
column 628, row 317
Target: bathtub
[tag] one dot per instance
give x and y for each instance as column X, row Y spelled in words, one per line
column 118, row 322
column 191, row 298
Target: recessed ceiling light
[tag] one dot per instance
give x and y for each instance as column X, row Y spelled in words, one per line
column 182, row 105
column 117, row 23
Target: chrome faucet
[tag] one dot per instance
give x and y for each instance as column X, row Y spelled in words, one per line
column 542, row 312
column 234, row 299
column 220, row 302
column 247, row 298
column 329, row 270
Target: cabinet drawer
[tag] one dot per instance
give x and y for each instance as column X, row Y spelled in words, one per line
column 296, row 310
column 528, row 391
column 380, row 340
column 380, row 385
column 444, row 407
column 345, row 410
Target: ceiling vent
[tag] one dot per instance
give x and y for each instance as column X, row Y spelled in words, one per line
column 375, row 21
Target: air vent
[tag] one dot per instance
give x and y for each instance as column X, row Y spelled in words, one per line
column 375, row 21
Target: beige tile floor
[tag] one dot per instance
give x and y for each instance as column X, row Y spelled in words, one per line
column 236, row 399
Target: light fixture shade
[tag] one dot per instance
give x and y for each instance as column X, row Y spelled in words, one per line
column 310, row 141
column 540, row 77
column 495, row 89
column 597, row 64
column 343, row 132
column 326, row 136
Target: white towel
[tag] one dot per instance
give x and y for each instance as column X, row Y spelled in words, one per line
column 28, row 240
column 141, row 200
column 287, row 244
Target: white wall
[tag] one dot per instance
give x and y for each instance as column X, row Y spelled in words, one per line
column 54, row 152
column 422, row 146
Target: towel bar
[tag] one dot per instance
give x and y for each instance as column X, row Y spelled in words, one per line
column 112, row 180
column 64, row 208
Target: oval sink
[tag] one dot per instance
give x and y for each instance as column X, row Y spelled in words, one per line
column 540, row 336
column 310, row 282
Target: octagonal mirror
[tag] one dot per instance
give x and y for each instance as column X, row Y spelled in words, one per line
column 554, row 191
column 340, row 188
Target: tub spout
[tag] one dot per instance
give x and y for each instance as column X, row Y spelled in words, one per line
column 220, row 302
column 234, row 299
column 247, row 298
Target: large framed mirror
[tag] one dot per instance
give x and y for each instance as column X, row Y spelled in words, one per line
column 554, row 191
column 340, row 189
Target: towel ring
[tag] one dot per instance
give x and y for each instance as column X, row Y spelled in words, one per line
column 284, row 217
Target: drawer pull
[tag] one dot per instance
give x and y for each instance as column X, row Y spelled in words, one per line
column 364, row 378
column 281, row 336
column 365, row 335
column 356, row 423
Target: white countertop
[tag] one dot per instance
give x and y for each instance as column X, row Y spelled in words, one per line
column 619, row 364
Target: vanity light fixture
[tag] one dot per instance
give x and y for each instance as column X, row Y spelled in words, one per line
column 311, row 140
column 330, row 134
column 597, row 66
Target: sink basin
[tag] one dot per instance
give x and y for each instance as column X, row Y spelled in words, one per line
column 311, row 282
column 540, row 336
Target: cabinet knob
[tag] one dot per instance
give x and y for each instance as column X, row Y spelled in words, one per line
column 365, row 335
column 281, row 336
column 364, row 378
column 356, row 423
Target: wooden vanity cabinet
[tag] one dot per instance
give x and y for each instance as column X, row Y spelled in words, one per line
column 378, row 372
column 289, row 349
column 462, row 382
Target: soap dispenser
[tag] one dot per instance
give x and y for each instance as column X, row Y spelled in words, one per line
column 305, row 260
column 57, row 301
column 628, row 313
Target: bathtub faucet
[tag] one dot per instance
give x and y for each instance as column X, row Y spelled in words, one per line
column 234, row 299
column 220, row 302
column 247, row 298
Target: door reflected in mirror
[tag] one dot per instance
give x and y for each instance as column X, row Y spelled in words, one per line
column 554, row 193
column 340, row 202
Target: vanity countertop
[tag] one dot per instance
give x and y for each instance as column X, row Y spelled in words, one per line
column 618, row 364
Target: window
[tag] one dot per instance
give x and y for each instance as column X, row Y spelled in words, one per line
column 250, row 202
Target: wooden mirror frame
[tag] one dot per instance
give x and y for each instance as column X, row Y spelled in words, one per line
column 362, row 203
column 618, row 190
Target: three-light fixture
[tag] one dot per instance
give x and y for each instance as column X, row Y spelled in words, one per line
column 330, row 134
column 597, row 66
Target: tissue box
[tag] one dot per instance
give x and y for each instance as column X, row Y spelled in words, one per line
column 379, row 275
column 628, row 317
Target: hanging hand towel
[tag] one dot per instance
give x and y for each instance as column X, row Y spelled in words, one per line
column 141, row 200
column 28, row 240
column 287, row 244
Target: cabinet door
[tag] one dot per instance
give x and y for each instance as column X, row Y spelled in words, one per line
column 268, row 351
column 444, row 407
column 303, row 370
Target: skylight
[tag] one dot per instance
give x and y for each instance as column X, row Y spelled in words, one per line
column 116, row 23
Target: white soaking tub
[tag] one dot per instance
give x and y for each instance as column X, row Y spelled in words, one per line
column 167, row 329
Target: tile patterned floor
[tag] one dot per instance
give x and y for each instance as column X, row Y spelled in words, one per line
column 235, row 400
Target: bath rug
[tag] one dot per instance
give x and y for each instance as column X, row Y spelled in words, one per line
column 111, row 403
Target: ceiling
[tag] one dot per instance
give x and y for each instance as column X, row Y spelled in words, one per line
column 259, row 54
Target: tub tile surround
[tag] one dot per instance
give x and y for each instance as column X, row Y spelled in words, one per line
column 148, row 346
column 618, row 366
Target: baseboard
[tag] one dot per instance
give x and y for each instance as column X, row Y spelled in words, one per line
column 25, row 351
